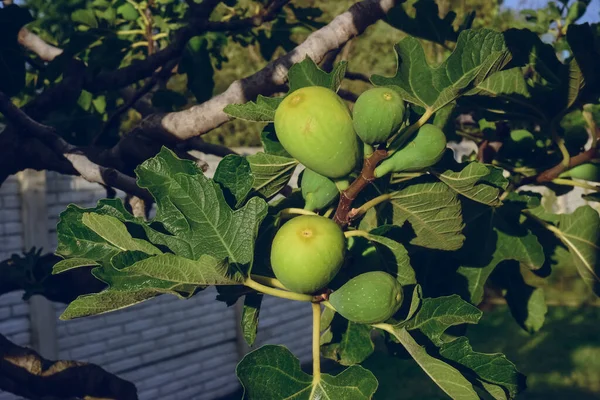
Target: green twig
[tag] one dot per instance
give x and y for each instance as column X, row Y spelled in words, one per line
column 316, row 343
column 276, row 292
column 356, row 212
column 401, row 137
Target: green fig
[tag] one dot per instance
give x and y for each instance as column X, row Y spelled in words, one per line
column 426, row 149
column 369, row 298
column 587, row 172
column 318, row 190
column 307, row 253
column 314, row 125
column 377, row 114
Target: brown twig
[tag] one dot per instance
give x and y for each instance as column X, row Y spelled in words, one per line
column 367, row 175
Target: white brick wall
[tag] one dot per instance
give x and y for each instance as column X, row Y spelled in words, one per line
column 170, row 348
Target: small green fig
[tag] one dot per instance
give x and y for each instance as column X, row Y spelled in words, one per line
column 587, row 171
column 369, row 298
column 314, row 125
column 377, row 114
column 318, row 191
column 307, row 253
column 426, row 149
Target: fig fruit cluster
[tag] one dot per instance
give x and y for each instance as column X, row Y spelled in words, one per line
column 316, row 127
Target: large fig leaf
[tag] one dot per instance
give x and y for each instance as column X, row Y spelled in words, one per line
column 272, row 372
column 194, row 211
column 436, row 315
column 478, row 54
column 434, row 212
column 492, row 368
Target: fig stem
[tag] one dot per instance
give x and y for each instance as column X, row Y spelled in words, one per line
column 316, row 339
column 328, row 305
column 290, row 212
column 268, row 281
column 560, row 142
column 367, row 175
column 402, row 136
column 569, row 182
column 277, row 292
column 356, row 232
column 356, row 212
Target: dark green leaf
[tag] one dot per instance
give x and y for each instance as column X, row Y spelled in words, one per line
column 448, row 378
column 193, row 210
column 438, row 314
column 272, row 372
column 250, row 315
column 263, row 110
column 468, row 183
column 307, row 73
column 434, row 213
column 478, row 54
column 271, row 144
column 491, row 368
column 235, row 176
column 86, row 17
column 350, row 342
column 271, row 173
column 196, row 63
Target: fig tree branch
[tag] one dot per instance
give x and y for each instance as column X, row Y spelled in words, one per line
column 367, row 175
column 25, row 373
column 88, row 169
column 202, row 118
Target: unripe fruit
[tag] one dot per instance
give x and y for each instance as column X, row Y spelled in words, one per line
column 314, row 125
column 307, row 253
column 423, row 151
column 520, row 143
column 377, row 114
column 369, row 298
column 318, row 190
column 587, row 171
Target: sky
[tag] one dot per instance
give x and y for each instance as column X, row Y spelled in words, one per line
column 592, row 14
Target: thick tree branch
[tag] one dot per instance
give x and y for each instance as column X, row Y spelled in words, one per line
column 25, row 373
column 88, row 169
column 34, row 43
column 203, row 118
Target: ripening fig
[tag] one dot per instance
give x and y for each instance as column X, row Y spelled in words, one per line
column 369, row 298
column 307, row 253
column 426, row 149
column 318, row 191
column 587, row 171
column 314, row 125
column 377, row 114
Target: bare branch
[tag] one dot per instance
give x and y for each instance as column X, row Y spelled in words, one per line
column 89, row 170
column 25, row 373
column 198, row 144
column 33, row 42
column 202, row 118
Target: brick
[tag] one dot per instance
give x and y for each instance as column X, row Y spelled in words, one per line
column 148, row 394
column 155, row 332
column 13, row 228
column 137, row 326
column 14, row 325
column 21, row 338
column 12, row 243
column 19, row 310
column 86, row 352
column 11, row 202
column 4, row 313
column 124, row 364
